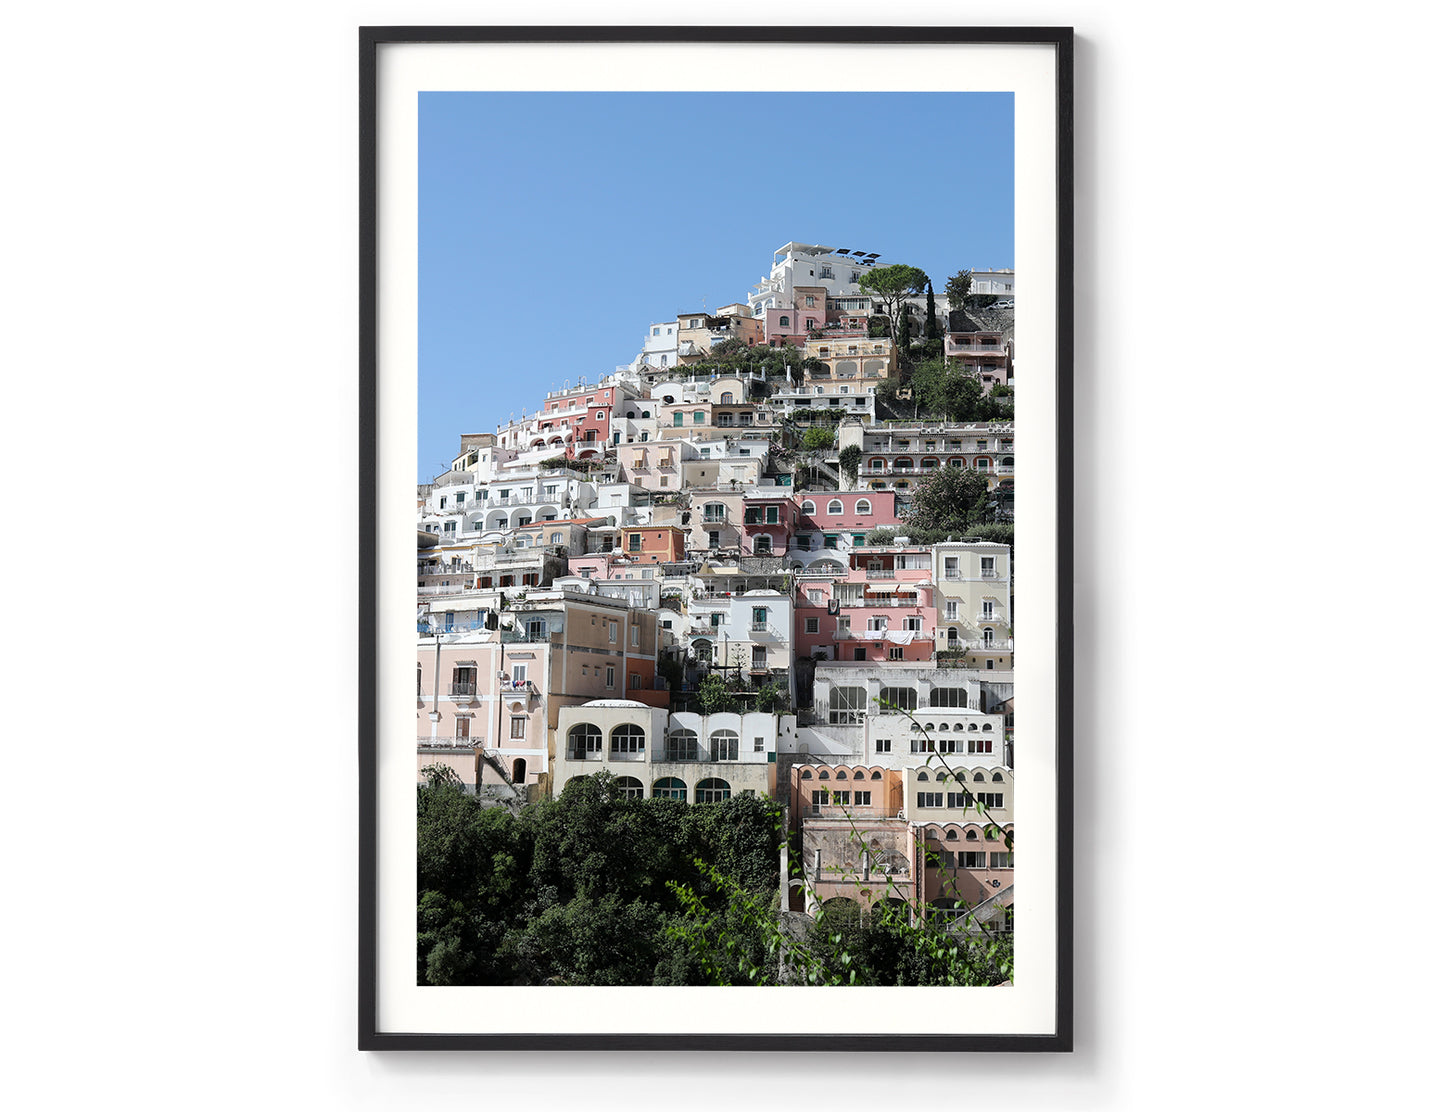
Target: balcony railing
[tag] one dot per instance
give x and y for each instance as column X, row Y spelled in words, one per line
column 464, row 690
column 871, row 603
column 882, row 573
column 446, row 742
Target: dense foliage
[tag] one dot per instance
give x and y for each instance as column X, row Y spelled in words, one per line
column 574, row 891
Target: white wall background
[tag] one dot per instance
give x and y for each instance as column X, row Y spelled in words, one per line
column 1257, row 877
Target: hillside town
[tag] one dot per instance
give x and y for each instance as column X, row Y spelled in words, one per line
column 771, row 556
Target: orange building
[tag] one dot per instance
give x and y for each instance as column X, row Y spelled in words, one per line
column 654, row 544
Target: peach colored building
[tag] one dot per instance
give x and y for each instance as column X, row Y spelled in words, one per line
column 853, row 358
column 654, row 544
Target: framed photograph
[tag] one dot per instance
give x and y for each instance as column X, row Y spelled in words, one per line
column 716, row 505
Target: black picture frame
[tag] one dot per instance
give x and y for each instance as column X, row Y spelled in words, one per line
column 371, row 1035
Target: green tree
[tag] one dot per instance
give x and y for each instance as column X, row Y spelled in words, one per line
column 958, row 287
column 931, row 330
column 950, row 500
column 713, row 695
column 893, row 285
column 817, row 439
column 848, row 461
column 946, row 390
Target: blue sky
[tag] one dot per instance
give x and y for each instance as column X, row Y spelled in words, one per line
column 555, row 226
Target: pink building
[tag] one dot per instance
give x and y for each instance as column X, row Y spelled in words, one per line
column 768, row 523
column 884, row 605
column 831, row 523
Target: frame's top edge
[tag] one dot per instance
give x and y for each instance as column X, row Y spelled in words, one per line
column 604, row 33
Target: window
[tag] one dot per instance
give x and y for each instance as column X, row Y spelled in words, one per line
column 846, row 705
column 723, row 746
column 862, row 506
column 883, row 745
column 930, row 799
column 634, row 680
column 634, row 542
column 960, row 799
column 669, row 787
column 895, row 653
column 980, row 745
column 913, row 624
column 782, row 322
column 810, row 625
column 878, row 623
column 991, row 799
column 758, row 744
column 612, row 633
column 863, row 799
column 464, row 729
column 808, row 507
column 519, row 675
column 898, row 699
column 859, row 540
column 842, row 799
column 713, row 790
column 835, row 507
column 636, row 636
column 611, row 676
column 763, row 543
column 949, row 697
column 681, row 745
column 986, row 568
column 972, row 859
column 1001, row 860
column 830, row 540
column 628, row 739
column 584, row 741
column 760, row 658
column 714, row 511
column 698, row 416
column 950, row 567
column 677, row 420
column 556, row 539
column 809, row 301
column 713, row 541
column 950, row 611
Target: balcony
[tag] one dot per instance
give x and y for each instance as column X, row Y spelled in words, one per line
column 445, row 743
column 524, row 637
column 988, row 573
column 463, row 692
column 880, row 603
column 882, row 573
column 457, row 589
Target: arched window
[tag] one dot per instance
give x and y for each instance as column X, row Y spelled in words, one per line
column 682, row 745
column 584, row 742
column 726, row 398
column 998, row 777
column 825, row 775
column 876, row 776
column 669, row 787
column 951, row 836
column 978, row 777
column 807, row 775
column 987, row 637
column 988, row 727
column 972, row 726
column 722, row 745
column 630, row 787
column 628, row 739
column 929, row 464
column 763, row 543
column 808, row 507
column 782, row 322
column 713, row 790
column 981, row 464
column 556, row 538
column 903, row 463
column 971, row 836
column 862, row 506
column 923, row 776
column 876, row 463
column 835, row 507
column 858, row 775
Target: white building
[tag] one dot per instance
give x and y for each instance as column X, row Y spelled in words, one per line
column 837, row 270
